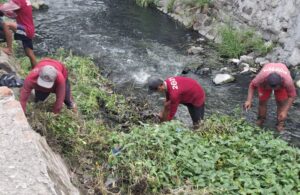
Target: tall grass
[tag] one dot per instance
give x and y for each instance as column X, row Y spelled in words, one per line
column 238, row 42
column 145, row 3
column 197, row 3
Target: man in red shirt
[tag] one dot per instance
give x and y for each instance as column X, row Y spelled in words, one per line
column 48, row 76
column 23, row 28
column 180, row 90
column 277, row 77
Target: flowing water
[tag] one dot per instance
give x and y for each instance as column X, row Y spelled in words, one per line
column 131, row 43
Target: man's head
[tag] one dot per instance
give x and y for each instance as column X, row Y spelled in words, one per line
column 274, row 80
column 47, row 76
column 155, row 84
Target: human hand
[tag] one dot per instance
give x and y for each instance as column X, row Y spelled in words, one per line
column 282, row 116
column 160, row 115
column 247, row 105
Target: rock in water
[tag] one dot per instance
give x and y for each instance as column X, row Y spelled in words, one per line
column 223, row 78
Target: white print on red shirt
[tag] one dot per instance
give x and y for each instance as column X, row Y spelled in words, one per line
column 173, row 83
column 275, row 69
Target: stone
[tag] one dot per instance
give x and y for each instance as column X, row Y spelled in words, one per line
column 5, row 92
column 223, row 78
column 7, row 64
column 234, row 62
column 224, row 70
column 195, row 50
column 260, row 61
column 203, row 71
column 200, row 40
column 294, row 59
column 245, row 70
column 254, row 70
column 39, row 5
column 298, row 83
column 247, row 59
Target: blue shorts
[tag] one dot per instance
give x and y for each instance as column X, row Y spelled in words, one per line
column 20, row 34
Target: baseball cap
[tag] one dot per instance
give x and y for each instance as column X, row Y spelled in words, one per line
column 47, row 76
column 274, row 80
column 154, row 83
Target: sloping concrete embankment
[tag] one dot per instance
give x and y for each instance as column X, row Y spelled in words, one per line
column 278, row 21
column 28, row 166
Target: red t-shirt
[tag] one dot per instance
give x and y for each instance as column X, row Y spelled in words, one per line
column 183, row 90
column 24, row 16
column 282, row 71
column 58, row 88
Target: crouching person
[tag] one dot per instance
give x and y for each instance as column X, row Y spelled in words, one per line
column 48, row 76
column 272, row 77
column 180, row 90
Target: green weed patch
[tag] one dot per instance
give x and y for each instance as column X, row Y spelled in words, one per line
column 145, row 3
column 226, row 155
column 240, row 159
column 237, row 42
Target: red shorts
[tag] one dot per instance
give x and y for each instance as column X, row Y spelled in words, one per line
column 280, row 94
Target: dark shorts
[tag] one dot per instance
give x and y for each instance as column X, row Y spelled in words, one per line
column 20, row 34
column 2, row 36
column 197, row 113
column 41, row 96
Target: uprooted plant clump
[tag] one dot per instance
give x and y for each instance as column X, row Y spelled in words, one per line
column 116, row 149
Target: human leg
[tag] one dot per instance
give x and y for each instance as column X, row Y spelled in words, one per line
column 7, row 28
column 281, row 102
column 262, row 112
column 263, row 95
column 196, row 113
column 27, row 44
column 30, row 54
column 68, row 97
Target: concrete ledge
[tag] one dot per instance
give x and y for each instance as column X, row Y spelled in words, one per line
column 27, row 163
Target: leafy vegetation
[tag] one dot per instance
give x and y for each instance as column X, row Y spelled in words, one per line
column 226, row 155
column 197, row 3
column 170, row 5
column 82, row 138
column 237, row 42
column 239, row 159
column 144, row 3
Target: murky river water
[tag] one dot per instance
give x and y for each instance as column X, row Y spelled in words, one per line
column 131, row 43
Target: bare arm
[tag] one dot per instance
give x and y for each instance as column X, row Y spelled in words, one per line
column 165, row 111
column 248, row 103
